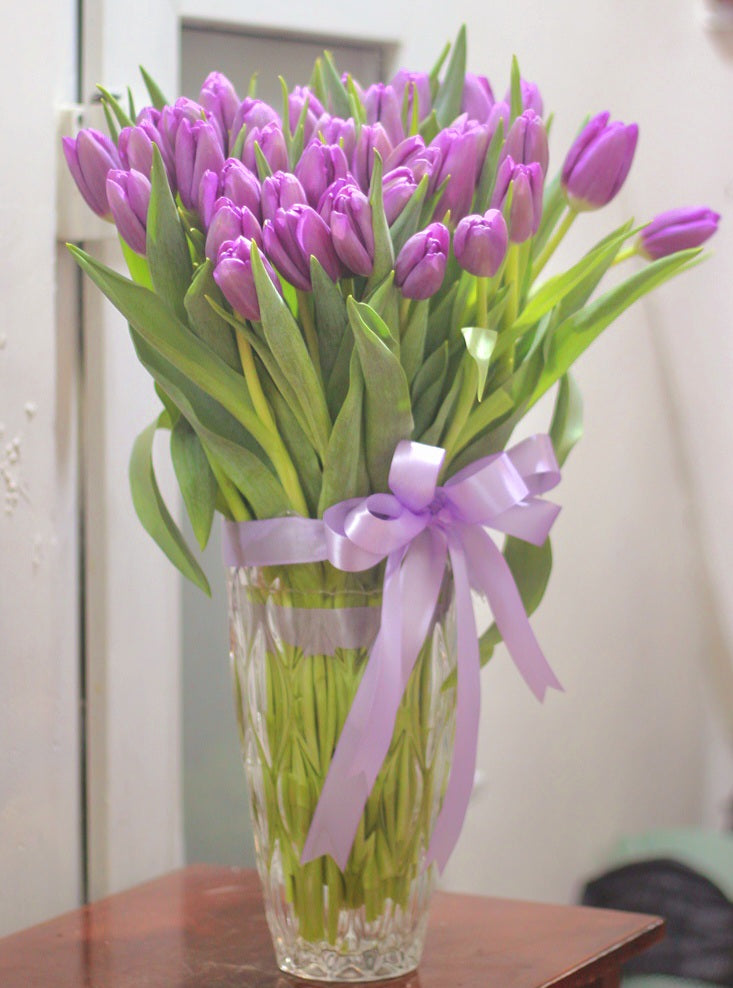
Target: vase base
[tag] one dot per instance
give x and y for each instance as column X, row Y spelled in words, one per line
column 320, row 962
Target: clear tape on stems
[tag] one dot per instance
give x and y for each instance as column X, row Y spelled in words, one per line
column 317, row 630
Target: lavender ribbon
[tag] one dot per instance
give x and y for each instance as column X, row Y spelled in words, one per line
column 417, row 528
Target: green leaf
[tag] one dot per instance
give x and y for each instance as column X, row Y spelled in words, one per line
column 157, row 325
column 355, row 104
column 338, row 382
column 429, row 128
column 242, row 460
column 480, row 344
column 263, row 165
column 553, row 206
column 388, row 417
column 555, row 289
column 114, row 105
column 332, row 319
column 434, row 432
column 531, row 566
column 296, row 442
column 316, row 82
column 517, row 104
column 137, row 265
column 567, row 419
column 131, row 104
column 483, row 418
column 344, row 471
column 385, row 301
column 435, row 71
column 114, row 130
column 383, row 253
column 168, row 255
column 206, row 323
column 447, row 103
column 427, row 388
column 408, row 221
column 153, row 513
column 336, row 90
column 412, row 345
column 579, row 330
column 286, row 344
column 489, row 169
column 439, row 320
column 197, row 482
column 156, row 96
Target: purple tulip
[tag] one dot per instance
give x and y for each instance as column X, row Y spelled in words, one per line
column 677, row 229
column 383, row 105
column 233, row 274
column 219, row 98
column 229, row 222
column 478, row 97
column 350, row 219
column 420, row 266
column 272, row 144
column 527, row 141
column 135, row 145
column 198, row 149
column 90, row 157
column 171, row 118
column 531, row 97
column 336, row 130
column 398, row 187
column 414, row 82
column 463, row 149
column 480, row 243
column 296, row 101
column 320, row 165
column 281, row 191
column 598, row 162
column 129, row 197
column 241, row 185
column 500, row 111
column 253, row 113
column 526, row 210
column 412, row 153
column 373, row 137
column 291, row 237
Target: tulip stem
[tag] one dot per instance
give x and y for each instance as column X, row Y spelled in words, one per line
column 482, row 302
column 276, row 450
column 404, row 314
column 464, row 406
column 544, row 256
column 309, row 330
column 624, row 255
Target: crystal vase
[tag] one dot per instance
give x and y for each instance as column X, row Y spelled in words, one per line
column 300, row 640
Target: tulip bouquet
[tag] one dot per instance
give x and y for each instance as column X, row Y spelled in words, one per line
column 316, row 292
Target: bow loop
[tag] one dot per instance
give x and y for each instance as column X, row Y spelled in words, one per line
column 413, row 475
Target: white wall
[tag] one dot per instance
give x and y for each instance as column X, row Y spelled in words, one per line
column 40, row 831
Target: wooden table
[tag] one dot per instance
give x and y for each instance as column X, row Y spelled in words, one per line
column 204, row 926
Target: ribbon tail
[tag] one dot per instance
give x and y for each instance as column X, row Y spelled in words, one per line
column 491, row 576
column 413, row 575
column 468, row 701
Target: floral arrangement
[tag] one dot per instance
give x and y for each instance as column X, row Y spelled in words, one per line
column 313, row 288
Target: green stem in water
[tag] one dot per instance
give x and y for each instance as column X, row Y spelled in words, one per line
column 554, row 241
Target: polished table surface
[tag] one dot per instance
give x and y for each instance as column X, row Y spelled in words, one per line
column 204, row 926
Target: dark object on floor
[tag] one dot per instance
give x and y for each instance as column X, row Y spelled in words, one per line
column 699, row 941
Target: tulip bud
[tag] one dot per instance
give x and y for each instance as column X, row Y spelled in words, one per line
column 598, row 162
column 478, row 97
column 171, row 118
column 398, row 187
column 272, row 144
column 463, row 149
column 412, row 153
column 281, row 191
column 241, row 185
column 372, row 137
column 480, row 243
column 219, row 98
column 383, row 105
column 526, row 208
column 677, row 229
column 420, row 266
column 229, row 222
column 531, row 97
column 291, row 237
column 198, row 149
column 253, row 113
column 296, row 101
column 90, row 157
column 527, row 141
column 128, row 194
column 135, row 145
column 336, row 130
column 414, row 82
column 350, row 219
column 320, row 166
column 233, row 274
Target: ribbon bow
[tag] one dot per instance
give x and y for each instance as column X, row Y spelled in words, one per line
column 417, row 528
